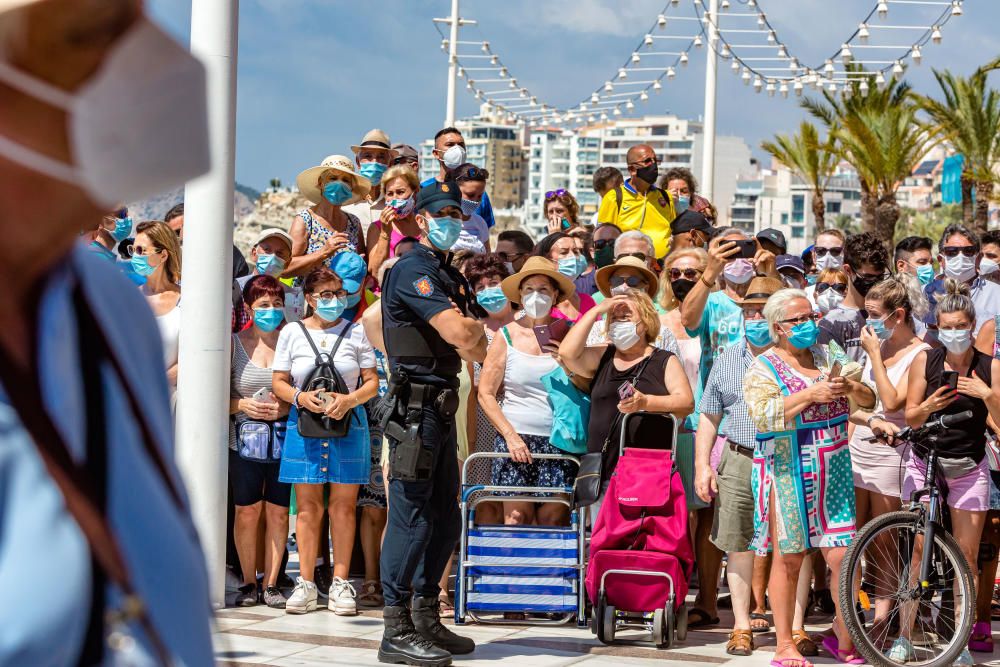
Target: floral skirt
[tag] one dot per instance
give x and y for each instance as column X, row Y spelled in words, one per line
column 541, row 472
column 809, row 471
column 372, row 494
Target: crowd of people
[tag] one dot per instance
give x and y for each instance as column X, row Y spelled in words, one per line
column 788, row 375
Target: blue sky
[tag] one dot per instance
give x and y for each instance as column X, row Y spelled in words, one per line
column 315, row 75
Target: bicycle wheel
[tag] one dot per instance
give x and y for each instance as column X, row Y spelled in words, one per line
column 879, row 575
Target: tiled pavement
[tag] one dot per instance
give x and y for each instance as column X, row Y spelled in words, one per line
column 262, row 636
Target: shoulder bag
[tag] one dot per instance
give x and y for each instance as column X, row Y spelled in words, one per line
column 324, row 378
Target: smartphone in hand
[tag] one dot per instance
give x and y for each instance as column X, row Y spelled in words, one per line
column 542, row 335
column 626, row 391
column 748, row 248
column 558, row 330
column 950, row 379
column 836, row 370
column 261, row 395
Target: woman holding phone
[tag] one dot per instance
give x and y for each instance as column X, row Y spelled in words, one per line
column 945, row 381
column 521, row 353
column 313, row 463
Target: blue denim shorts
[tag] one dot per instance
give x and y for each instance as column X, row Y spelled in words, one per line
column 344, row 460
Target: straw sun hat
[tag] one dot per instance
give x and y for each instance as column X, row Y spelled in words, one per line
column 536, row 266
column 308, row 180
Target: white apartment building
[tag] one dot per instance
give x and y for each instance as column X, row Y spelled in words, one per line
column 567, row 159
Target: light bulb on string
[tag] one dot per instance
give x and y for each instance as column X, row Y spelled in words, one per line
column 782, row 51
column 832, row 87
column 657, row 86
column 724, row 5
column 486, row 47
column 608, row 86
column 644, row 96
column 697, row 40
column 746, row 76
column 897, row 67
column 671, row 73
column 661, row 20
column 863, row 86
column 629, row 105
column 684, row 58
column 783, row 89
column 879, row 79
column 882, row 8
column 915, row 54
column 761, row 22
column 863, row 33
column 725, row 52
column 936, row 35
column 758, row 83
column 595, row 98
column 771, row 37
column 444, row 44
column 956, row 7
column 647, row 40
column 635, row 57
column 622, row 73
column 845, row 53
column 797, row 86
column 503, row 72
column 494, row 60
column 828, row 67
column 513, row 84
column 735, row 66
column 770, row 88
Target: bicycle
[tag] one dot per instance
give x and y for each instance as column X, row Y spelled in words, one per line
column 925, row 595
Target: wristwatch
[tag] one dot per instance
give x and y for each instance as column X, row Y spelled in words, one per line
column 869, row 422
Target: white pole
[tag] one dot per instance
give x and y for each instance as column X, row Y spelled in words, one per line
column 711, row 71
column 203, row 374
column 449, row 119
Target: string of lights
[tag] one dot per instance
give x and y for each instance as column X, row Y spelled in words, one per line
column 755, row 53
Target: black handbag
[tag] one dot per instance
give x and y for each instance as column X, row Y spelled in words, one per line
column 324, row 378
column 587, row 487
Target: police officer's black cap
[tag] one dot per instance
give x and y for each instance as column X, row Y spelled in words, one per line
column 436, row 196
column 691, row 221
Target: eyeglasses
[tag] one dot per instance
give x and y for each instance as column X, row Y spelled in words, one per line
column 637, row 255
column 504, row 257
column 689, row 274
column 801, row 319
column 329, row 294
column 552, row 194
column 632, row 281
column 834, row 252
column 141, row 250
column 953, row 250
column 404, row 160
column 839, row 288
column 603, row 243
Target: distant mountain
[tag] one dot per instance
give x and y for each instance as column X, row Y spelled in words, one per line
column 155, row 208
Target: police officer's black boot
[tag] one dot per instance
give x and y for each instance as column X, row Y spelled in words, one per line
column 403, row 645
column 427, row 620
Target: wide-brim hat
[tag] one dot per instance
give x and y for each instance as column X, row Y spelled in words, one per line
column 308, row 180
column 376, row 140
column 536, row 266
column 760, row 290
column 604, row 274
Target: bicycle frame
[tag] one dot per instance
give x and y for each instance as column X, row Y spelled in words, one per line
column 931, row 516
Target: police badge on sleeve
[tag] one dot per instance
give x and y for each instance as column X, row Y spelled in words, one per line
column 424, row 286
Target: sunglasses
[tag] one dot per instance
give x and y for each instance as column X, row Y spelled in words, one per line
column 834, row 252
column 839, row 288
column 475, row 174
column 404, row 160
column 632, row 281
column 141, row 250
column 688, row 274
column 504, row 257
column 637, row 255
column 552, row 194
column 953, row 250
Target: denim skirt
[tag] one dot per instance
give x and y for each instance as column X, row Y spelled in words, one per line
column 344, row 460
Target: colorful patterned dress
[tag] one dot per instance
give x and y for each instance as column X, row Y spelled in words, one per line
column 807, row 462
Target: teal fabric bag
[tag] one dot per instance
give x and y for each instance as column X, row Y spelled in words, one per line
column 570, row 412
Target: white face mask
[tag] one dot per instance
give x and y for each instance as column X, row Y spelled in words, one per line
column 828, row 261
column 739, row 271
column 537, row 305
column 828, row 300
column 955, row 341
column 623, row 335
column 454, row 157
column 960, row 267
column 987, row 266
column 137, row 128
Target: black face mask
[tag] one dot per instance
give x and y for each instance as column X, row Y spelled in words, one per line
column 605, row 256
column 681, row 287
column 649, row 173
column 863, row 285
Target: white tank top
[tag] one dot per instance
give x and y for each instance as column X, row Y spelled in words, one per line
column 170, row 331
column 526, row 404
column 895, row 373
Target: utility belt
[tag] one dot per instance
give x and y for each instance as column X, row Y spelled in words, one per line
column 400, row 413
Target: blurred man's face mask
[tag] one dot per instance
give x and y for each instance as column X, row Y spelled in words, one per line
column 136, row 128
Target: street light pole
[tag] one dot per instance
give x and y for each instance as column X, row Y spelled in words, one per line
column 711, row 72
column 453, row 22
column 203, row 364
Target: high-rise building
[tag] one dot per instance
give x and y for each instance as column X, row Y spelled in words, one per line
column 493, row 145
column 567, row 159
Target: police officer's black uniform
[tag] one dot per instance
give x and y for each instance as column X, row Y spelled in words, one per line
column 424, row 521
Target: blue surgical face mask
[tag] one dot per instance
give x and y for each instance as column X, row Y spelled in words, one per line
column 268, row 319
column 140, row 264
column 269, row 265
column 330, row 310
column 812, row 278
column 122, row 230
column 925, row 274
column 443, row 232
column 353, row 299
column 878, row 326
column 572, row 266
column 337, row 192
column 757, row 332
column 373, row 171
column 682, row 204
column 804, row 334
column 492, row 299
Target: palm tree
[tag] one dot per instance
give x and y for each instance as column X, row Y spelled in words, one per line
column 969, row 118
column 811, row 160
column 878, row 132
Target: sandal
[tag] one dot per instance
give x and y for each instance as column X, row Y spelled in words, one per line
column 804, row 643
column 370, row 595
column 699, row 618
column 444, row 600
column 791, row 662
column 981, row 640
column 847, row 656
column 740, row 643
column 760, row 618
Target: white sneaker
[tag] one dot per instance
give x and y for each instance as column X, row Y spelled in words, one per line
column 342, row 598
column 901, row 651
column 303, row 597
column 964, row 659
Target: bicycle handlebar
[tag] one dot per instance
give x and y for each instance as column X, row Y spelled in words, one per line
column 942, row 422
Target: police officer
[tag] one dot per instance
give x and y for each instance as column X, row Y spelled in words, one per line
column 428, row 331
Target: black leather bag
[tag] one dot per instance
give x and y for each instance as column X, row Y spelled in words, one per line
column 587, row 488
column 324, row 378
